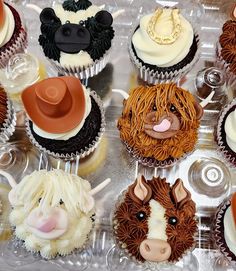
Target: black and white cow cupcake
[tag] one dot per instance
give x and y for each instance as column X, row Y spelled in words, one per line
column 76, row 36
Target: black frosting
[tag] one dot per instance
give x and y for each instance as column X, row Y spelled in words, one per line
column 83, row 139
column 49, row 48
column 72, row 5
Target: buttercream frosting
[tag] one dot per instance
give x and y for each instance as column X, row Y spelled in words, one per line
column 70, row 60
column 72, row 133
column 230, row 130
column 8, row 27
column 230, row 230
column 52, row 212
column 162, row 55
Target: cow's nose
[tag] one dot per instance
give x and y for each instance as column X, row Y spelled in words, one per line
column 155, row 250
column 72, row 38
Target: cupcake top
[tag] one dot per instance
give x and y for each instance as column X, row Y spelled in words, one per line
column 3, row 106
column 155, row 221
column 52, row 211
column 7, row 23
column 163, row 38
column 75, row 33
column 58, row 107
column 230, row 225
column 230, row 130
column 160, row 122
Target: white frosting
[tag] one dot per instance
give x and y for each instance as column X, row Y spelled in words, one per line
column 230, row 230
column 75, row 131
column 73, row 222
column 70, row 60
column 230, row 130
column 162, row 55
column 8, row 28
column 157, row 222
column 75, row 17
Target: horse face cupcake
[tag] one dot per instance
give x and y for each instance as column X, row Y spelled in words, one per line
column 159, row 124
column 226, row 132
column 52, row 212
column 155, row 222
column 65, row 119
column 164, row 46
column 225, row 228
column 13, row 36
column 76, row 37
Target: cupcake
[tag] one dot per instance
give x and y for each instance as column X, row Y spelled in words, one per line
column 164, row 46
column 159, row 124
column 65, row 119
column 225, row 228
column 7, row 117
column 76, row 37
column 226, row 132
column 47, row 213
column 155, row 222
column 13, row 36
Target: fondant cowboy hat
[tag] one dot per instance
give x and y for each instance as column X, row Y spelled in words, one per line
column 55, row 105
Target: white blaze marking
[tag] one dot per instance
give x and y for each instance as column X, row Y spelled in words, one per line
column 157, row 222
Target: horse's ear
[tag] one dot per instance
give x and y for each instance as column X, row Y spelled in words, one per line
column 180, row 194
column 140, row 191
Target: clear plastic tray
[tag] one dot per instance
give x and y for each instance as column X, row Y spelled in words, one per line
column 101, row 252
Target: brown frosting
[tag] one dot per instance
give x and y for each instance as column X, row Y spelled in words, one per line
column 131, row 232
column 163, row 99
column 228, row 38
column 232, row 67
column 230, row 25
column 3, row 105
column 228, row 53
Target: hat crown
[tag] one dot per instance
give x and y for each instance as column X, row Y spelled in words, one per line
column 53, row 97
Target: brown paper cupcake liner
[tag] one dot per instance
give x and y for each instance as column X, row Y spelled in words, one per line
column 9, row 124
column 86, row 71
column 222, row 145
column 153, row 77
column 18, row 46
column 78, row 154
column 218, row 231
column 151, row 162
column 146, row 265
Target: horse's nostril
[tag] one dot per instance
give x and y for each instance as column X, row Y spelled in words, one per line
column 163, row 251
column 147, row 248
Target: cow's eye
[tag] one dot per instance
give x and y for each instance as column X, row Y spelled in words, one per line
column 172, row 108
column 173, row 220
column 154, row 108
column 39, row 200
column 141, row 216
column 61, row 202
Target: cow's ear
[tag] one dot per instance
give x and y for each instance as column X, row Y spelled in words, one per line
column 180, row 194
column 140, row 191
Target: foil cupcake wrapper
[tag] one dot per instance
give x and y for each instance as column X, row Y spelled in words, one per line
column 9, row 125
column 151, row 162
column 18, row 46
column 83, row 72
column 153, row 77
column 222, row 148
column 78, row 154
column 147, row 265
column 218, row 231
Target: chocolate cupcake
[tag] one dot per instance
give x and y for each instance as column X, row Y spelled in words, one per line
column 225, row 228
column 159, row 124
column 13, row 36
column 7, row 117
column 76, row 37
column 155, row 222
column 226, row 132
column 65, row 119
column 159, row 54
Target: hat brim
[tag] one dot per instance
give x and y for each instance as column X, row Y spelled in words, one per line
column 61, row 124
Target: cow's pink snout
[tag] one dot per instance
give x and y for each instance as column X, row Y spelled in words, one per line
column 155, row 250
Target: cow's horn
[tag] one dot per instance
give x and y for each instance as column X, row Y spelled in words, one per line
column 100, row 187
column 117, row 13
column 9, row 178
column 208, row 99
column 121, row 92
column 35, row 8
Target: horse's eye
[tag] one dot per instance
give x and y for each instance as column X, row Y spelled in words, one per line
column 141, row 216
column 173, row 220
column 172, row 108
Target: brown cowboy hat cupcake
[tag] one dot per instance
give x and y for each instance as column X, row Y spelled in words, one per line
column 65, row 119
